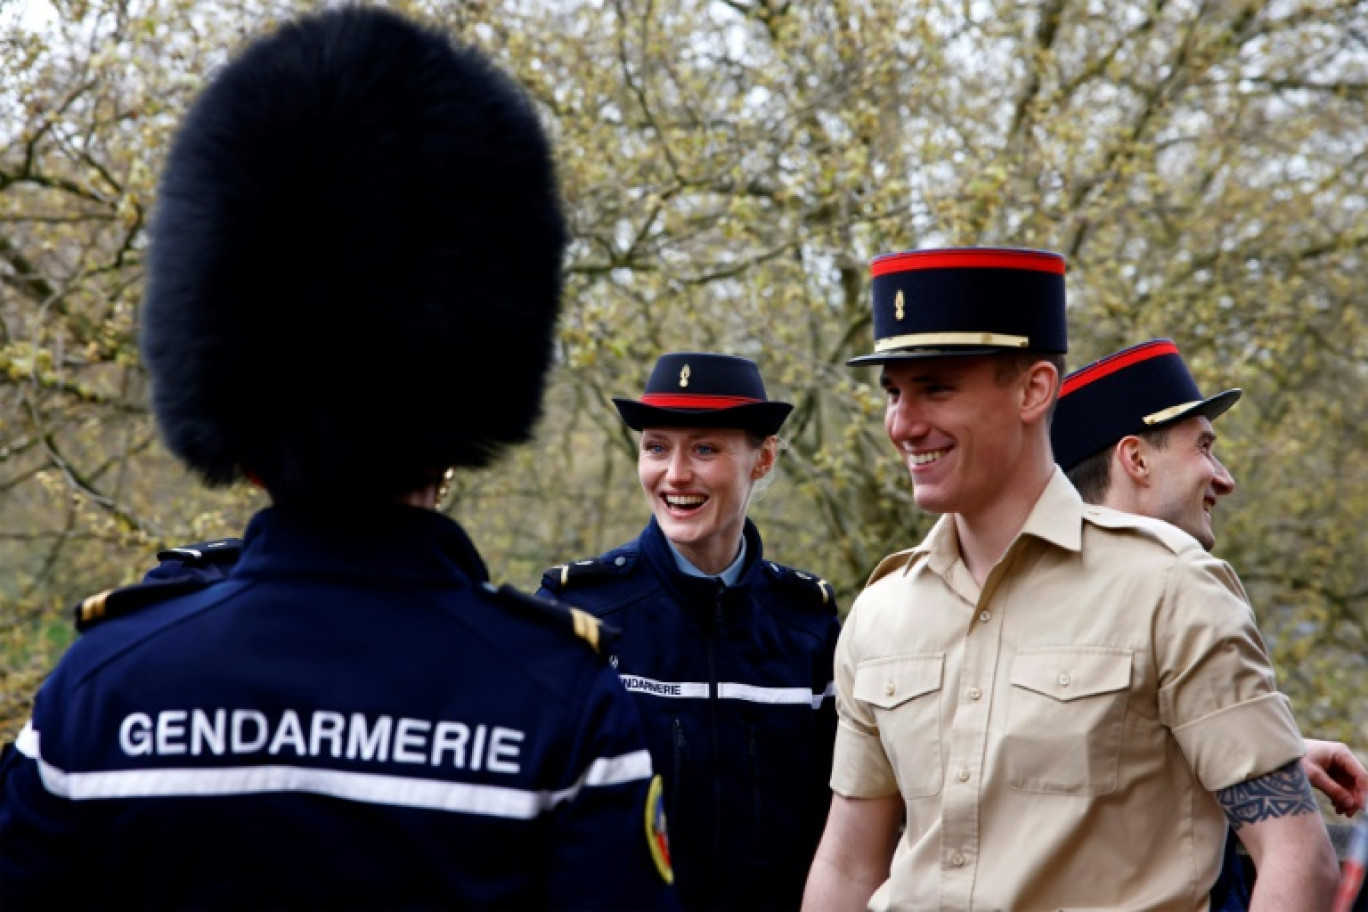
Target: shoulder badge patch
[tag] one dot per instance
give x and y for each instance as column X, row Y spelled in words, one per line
column 574, row 620
column 657, row 836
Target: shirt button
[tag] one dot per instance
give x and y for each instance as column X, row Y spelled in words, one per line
column 963, row 775
column 957, row 860
column 985, row 616
column 1064, row 679
column 975, row 693
column 620, row 560
column 889, row 688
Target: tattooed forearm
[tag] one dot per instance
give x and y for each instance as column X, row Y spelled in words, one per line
column 1285, row 792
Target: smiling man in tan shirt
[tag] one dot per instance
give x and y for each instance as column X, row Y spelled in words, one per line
column 1063, row 703
column 1134, row 432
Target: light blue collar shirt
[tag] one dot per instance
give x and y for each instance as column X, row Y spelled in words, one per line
column 729, row 577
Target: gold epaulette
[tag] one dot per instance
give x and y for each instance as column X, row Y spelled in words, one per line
column 113, row 603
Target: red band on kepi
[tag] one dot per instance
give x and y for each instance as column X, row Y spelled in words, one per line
column 968, row 258
column 704, row 389
column 1113, row 363
column 966, row 301
column 681, row 400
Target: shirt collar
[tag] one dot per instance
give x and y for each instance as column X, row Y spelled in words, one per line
column 729, row 576
column 1056, row 518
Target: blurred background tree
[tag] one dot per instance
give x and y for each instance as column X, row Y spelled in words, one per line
column 731, row 166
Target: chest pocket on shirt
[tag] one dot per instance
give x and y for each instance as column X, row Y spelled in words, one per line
column 903, row 692
column 1066, row 719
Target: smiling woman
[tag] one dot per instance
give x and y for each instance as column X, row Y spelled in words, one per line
column 698, row 482
column 728, row 655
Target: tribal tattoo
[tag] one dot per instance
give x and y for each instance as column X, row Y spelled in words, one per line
column 1285, row 792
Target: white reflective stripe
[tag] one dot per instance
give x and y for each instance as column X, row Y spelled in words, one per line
column 371, row 788
column 729, row 690
column 27, row 742
column 617, row 770
column 774, row 695
column 632, row 767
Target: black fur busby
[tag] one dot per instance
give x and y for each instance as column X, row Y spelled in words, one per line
column 355, row 265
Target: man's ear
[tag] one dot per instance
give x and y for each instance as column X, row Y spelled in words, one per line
column 1039, row 386
column 1132, row 454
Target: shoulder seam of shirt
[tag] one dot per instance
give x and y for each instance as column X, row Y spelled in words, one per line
column 1173, row 539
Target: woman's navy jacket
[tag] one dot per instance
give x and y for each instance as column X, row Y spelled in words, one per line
column 735, row 686
column 352, row 718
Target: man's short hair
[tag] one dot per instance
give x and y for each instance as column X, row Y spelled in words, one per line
column 1092, row 476
column 1013, row 364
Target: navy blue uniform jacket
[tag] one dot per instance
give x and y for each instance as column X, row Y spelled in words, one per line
column 351, row 719
column 734, row 685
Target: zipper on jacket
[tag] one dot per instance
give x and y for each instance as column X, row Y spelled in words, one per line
column 677, row 782
column 714, row 708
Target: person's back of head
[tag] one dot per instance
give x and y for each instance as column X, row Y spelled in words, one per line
column 355, row 215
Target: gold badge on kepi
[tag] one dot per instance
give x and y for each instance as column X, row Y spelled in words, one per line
column 899, row 310
column 657, row 838
column 684, row 376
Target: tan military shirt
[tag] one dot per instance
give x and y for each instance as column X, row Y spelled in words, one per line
column 1057, row 735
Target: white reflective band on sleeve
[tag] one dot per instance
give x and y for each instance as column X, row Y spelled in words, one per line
column 617, row 770
column 608, row 771
column 729, row 690
column 27, row 742
column 371, row 788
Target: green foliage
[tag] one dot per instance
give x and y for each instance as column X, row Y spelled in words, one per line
column 730, row 169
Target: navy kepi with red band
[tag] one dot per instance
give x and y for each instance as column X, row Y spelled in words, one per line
column 1137, row 389
column 966, row 301
column 703, row 389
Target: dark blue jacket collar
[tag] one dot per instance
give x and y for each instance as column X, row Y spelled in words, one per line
column 370, row 542
column 700, row 591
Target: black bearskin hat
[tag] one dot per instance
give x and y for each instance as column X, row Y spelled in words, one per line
column 355, row 264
